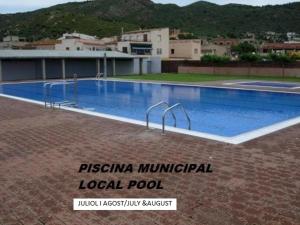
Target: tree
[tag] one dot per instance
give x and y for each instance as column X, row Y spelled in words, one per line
column 243, row 48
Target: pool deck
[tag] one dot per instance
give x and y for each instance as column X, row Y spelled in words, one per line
column 257, row 182
column 222, row 84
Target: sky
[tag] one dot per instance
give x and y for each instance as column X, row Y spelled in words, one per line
column 13, row 6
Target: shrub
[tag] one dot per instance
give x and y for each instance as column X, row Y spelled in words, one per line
column 295, row 55
column 281, row 58
column 250, row 57
column 215, row 59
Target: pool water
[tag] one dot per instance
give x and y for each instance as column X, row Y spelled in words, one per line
column 217, row 111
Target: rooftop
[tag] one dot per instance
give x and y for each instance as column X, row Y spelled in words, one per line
column 7, row 54
column 288, row 46
column 145, row 30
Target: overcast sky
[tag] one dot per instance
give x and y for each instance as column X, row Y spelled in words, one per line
column 11, row 6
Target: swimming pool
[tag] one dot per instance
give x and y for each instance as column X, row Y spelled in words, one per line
column 229, row 115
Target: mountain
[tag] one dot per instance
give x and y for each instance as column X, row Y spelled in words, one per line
column 105, row 18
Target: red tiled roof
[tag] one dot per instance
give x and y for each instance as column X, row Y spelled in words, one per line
column 45, row 42
column 286, row 46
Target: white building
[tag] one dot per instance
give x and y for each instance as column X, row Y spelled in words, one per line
column 80, row 45
column 293, row 37
column 152, row 42
column 80, row 42
column 77, row 36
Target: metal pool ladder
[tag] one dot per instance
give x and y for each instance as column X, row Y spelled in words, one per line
column 48, row 98
column 168, row 109
column 162, row 103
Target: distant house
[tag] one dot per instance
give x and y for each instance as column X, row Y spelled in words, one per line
column 185, row 49
column 47, row 44
column 77, row 36
column 111, row 43
column 80, row 42
column 293, row 37
column 13, row 42
column 229, row 42
column 152, row 42
column 209, row 48
column 280, row 47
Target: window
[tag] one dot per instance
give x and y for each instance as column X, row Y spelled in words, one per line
column 125, row 49
column 172, row 51
column 159, row 51
column 145, row 37
column 196, row 51
column 159, row 37
column 67, row 48
column 78, row 48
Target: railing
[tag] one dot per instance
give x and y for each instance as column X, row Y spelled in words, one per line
column 170, row 110
column 48, row 97
column 162, row 103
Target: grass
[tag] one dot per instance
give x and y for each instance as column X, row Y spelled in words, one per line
column 204, row 77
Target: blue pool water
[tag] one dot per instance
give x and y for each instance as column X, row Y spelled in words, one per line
column 218, row 111
column 270, row 84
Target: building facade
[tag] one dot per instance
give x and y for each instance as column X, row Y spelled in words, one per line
column 185, row 49
column 151, row 42
column 80, row 45
column 208, row 48
column 79, row 42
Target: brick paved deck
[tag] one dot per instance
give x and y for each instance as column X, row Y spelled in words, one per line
column 40, row 152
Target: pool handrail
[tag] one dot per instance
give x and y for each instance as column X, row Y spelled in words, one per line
column 162, row 103
column 48, row 88
column 170, row 109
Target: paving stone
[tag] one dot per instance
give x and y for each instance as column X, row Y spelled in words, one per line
column 41, row 150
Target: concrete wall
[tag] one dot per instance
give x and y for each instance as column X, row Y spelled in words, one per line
column 259, row 71
column 155, row 65
column 13, row 70
column 82, row 67
column 53, row 69
column 124, row 67
column 31, row 69
column 149, row 65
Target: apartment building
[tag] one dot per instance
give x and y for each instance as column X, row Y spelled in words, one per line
column 152, row 42
column 185, row 49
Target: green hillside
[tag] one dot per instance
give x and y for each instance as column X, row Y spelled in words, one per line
column 105, row 18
